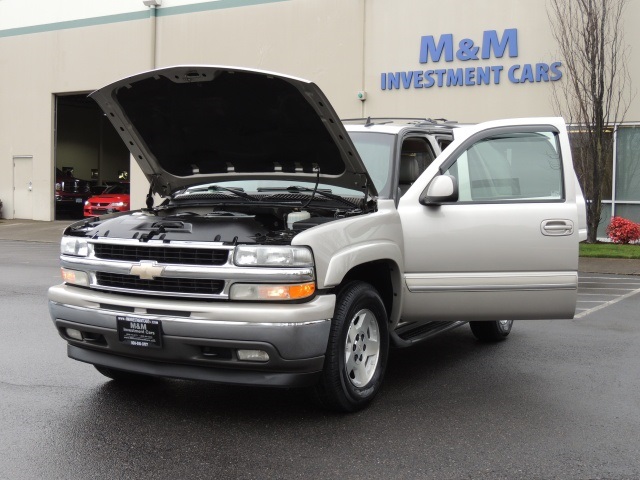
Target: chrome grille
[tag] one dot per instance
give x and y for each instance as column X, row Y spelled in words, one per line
column 175, row 255
column 170, row 285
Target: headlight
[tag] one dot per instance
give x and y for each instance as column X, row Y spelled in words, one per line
column 75, row 277
column 273, row 256
column 74, row 246
column 118, row 204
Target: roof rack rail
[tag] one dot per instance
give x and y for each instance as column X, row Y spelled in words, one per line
column 370, row 121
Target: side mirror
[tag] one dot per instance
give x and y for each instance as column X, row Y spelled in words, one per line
column 442, row 189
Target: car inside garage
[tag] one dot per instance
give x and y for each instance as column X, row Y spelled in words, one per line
column 89, row 155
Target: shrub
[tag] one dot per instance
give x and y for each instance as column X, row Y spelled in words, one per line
column 621, row 230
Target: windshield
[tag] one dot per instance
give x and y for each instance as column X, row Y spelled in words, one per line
column 118, row 188
column 376, row 151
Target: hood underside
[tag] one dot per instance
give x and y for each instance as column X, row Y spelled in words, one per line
column 201, row 124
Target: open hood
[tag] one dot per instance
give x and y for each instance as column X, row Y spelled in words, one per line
column 190, row 125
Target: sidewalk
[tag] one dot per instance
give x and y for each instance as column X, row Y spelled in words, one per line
column 50, row 232
column 33, row 230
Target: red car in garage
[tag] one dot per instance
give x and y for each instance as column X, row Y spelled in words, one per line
column 114, row 199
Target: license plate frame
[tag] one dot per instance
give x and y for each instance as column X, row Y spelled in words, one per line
column 139, row 332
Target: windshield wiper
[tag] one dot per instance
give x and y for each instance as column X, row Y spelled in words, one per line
column 297, row 188
column 236, row 191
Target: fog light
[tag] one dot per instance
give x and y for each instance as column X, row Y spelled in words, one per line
column 253, row 355
column 73, row 333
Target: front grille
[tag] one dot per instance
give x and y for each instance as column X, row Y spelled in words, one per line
column 176, row 255
column 170, row 285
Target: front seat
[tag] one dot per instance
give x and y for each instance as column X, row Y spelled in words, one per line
column 409, row 173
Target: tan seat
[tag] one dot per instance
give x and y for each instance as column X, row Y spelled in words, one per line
column 409, row 172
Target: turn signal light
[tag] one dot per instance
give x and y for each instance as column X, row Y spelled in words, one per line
column 244, row 291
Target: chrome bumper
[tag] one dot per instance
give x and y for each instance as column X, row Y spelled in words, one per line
column 294, row 336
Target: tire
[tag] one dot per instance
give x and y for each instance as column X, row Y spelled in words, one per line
column 121, row 376
column 357, row 350
column 491, row 331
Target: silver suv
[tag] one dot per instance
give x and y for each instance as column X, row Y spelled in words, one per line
column 291, row 249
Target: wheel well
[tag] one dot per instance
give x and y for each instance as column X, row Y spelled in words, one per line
column 379, row 275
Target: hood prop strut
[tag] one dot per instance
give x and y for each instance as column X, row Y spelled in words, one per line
column 316, row 168
column 149, row 201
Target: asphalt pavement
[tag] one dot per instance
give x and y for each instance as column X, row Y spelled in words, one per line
column 50, row 232
column 558, row 400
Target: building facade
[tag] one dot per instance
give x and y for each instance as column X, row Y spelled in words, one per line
column 475, row 61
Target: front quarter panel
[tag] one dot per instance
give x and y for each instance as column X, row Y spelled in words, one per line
column 341, row 245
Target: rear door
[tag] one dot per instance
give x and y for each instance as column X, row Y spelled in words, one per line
column 508, row 247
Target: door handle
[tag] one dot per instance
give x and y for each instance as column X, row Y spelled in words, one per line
column 30, row 186
column 556, row 227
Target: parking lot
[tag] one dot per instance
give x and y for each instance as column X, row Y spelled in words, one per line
column 597, row 291
column 558, row 399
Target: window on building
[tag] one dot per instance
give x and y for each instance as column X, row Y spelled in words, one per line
column 583, row 162
column 628, row 164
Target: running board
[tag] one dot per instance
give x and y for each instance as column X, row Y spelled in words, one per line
column 413, row 333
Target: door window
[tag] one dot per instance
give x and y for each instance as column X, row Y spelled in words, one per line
column 510, row 167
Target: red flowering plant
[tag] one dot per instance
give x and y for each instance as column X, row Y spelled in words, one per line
column 621, row 230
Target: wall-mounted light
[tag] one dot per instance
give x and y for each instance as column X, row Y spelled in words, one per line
column 152, row 3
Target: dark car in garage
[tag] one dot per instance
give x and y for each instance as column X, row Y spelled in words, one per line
column 70, row 193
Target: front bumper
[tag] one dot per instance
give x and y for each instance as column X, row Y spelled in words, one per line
column 70, row 204
column 92, row 211
column 200, row 339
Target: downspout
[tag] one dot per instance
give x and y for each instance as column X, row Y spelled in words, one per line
column 153, row 15
column 154, row 35
column 364, row 40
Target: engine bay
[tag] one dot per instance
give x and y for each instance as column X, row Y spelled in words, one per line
column 228, row 224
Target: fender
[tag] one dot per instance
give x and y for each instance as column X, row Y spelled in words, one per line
column 341, row 245
column 356, row 255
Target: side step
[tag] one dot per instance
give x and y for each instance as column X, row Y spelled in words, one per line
column 416, row 332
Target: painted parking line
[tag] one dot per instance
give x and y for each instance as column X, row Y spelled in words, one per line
column 597, row 292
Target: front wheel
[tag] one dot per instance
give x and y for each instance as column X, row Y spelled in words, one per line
column 491, row 331
column 357, row 351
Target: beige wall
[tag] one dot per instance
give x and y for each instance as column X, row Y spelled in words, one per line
column 342, row 45
column 393, row 44
column 37, row 66
column 318, row 40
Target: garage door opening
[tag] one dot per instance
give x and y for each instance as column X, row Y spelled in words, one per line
column 89, row 156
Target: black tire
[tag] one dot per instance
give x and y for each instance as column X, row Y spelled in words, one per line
column 351, row 380
column 121, row 376
column 491, row 331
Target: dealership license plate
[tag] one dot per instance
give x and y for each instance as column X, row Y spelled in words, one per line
column 139, row 332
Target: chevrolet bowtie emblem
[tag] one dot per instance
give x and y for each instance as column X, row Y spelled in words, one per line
column 146, row 270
